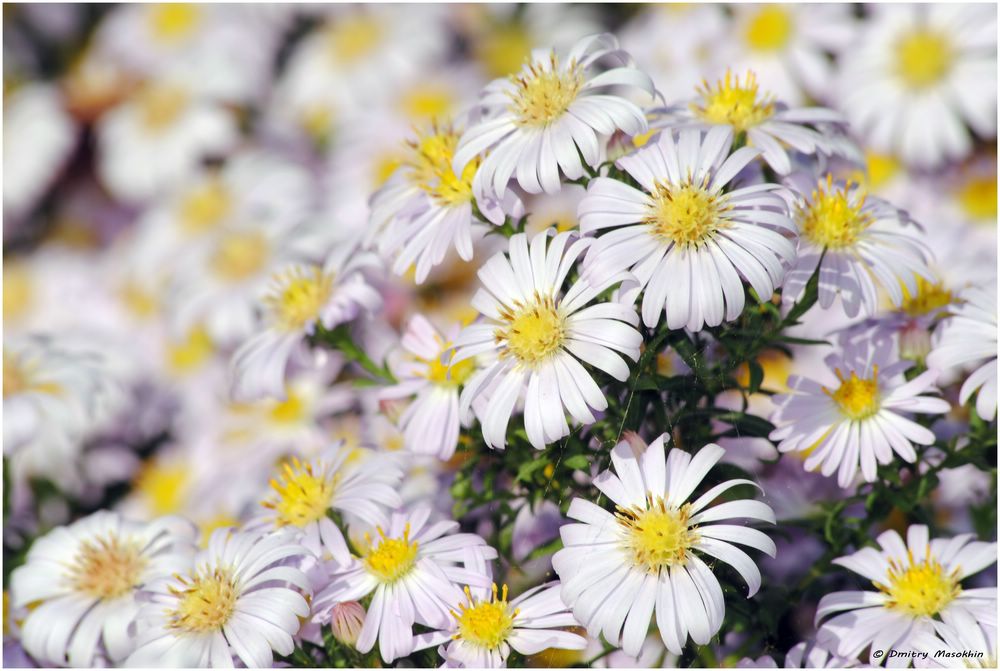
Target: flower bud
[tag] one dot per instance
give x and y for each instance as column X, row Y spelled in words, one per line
column 346, row 620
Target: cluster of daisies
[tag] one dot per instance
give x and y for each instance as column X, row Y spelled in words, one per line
column 305, row 306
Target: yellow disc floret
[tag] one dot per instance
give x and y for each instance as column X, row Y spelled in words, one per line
column 930, row 297
column 923, row 58
column 430, row 160
column 685, row 214
column 769, row 29
column 486, row 624
column 107, row 568
column 534, row 332
column 449, row 375
column 238, row 256
column 205, row 602
column 174, row 21
column 205, row 206
column 299, row 297
column 352, row 38
column 160, row 106
column 732, row 103
column 978, row 197
column 302, row 494
column 833, row 218
column 857, row 397
column 391, row 558
column 919, row 588
column 658, row 536
column 543, row 94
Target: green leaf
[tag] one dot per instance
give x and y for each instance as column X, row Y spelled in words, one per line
column 528, row 468
column 578, row 462
column 756, row 375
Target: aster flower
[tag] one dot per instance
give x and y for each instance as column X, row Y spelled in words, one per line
column 969, row 336
column 539, row 335
column 431, row 422
column 411, row 569
column 81, row 583
column 539, row 122
column 618, row 569
column 236, row 599
column 920, row 75
column 962, row 640
column 764, row 123
column 857, row 413
column 355, row 482
column 860, row 244
column 301, row 296
column 918, row 583
column 688, row 243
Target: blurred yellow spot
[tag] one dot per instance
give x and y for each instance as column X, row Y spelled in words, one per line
column 163, row 487
column 240, row 255
column 205, row 206
column 317, row 120
column 450, row 376
column 776, row 366
column 189, row 354
column 290, row 411
column 220, row 521
column 504, row 49
column 930, row 297
column 299, row 297
column 18, row 291
column 641, row 139
column 20, row 377
column 385, row 165
column 557, row 658
column 769, row 29
column 428, row 103
column 353, row 37
column 978, row 197
column 159, row 106
column 138, row 301
column 172, row 22
column 881, row 168
column 923, row 58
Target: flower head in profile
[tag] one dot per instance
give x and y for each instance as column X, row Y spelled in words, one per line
column 356, row 482
column 859, row 243
column 239, row 598
column 917, row 585
column 411, row 567
column 81, row 583
column 537, row 336
column 969, row 336
column 689, row 244
column 620, row 569
column 539, row 122
column 857, row 415
column 300, row 297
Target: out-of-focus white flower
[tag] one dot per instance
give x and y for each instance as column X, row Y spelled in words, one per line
column 920, row 75
column 38, row 136
column 537, row 123
column 539, row 335
column 618, row 569
column 412, row 569
column 688, row 243
column 81, row 581
column 238, row 598
column 919, row 586
column 969, row 337
column 859, row 243
column 856, row 414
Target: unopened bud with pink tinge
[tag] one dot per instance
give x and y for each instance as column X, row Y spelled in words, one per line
column 346, row 620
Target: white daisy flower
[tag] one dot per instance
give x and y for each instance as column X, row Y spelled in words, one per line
column 539, row 335
column 918, row 583
column 860, row 244
column 763, row 122
column 618, row 569
column 689, row 243
column 80, row 585
column 969, row 336
column 236, row 599
column 301, row 296
column 921, row 75
column 432, row 421
column 540, row 121
column 856, row 413
column 158, row 137
column 486, row 627
column 355, row 482
column 412, row 570
column 963, row 640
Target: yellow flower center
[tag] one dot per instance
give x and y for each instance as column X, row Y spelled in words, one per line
column 205, row 603
column 18, row 291
column 533, row 333
column 107, row 568
column 923, row 58
column 163, row 487
column 391, row 558
column 978, row 198
column 205, row 206
column 856, row 397
column 351, row 38
column 769, row 29
column 543, row 95
column 685, row 214
column 172, row 22
column 427, row 103
column 930, row 297
column 290, row 411
column 453, row 375
column 302, row 494
column 734, row 104
column 141, row 302
column 486, row 624
column 504, row 49
column 299, row 298
column 240, row 255
column 830, row 220
column 160, row 106
column 430, row 163
column 20, row 377
column 657, row 536
column 190, row 353
column 919, row 589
